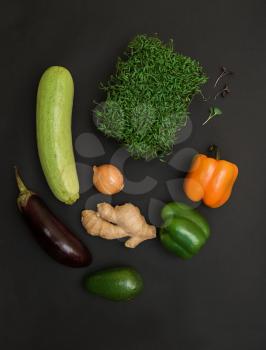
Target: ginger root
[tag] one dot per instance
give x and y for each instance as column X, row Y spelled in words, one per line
column 118, row 222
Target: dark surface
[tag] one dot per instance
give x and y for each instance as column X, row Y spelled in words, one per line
column 215, row 301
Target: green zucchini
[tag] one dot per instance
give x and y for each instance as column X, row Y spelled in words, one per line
column 54, row 137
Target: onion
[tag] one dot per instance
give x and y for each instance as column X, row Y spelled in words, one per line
column 108, row 179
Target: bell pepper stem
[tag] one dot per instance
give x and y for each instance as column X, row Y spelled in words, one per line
column 214, row 152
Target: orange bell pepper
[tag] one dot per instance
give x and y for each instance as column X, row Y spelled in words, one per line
column 210, row 179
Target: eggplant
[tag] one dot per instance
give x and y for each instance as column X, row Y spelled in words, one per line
column 51, row 234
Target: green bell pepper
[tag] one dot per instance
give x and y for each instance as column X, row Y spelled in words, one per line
column 184, row 230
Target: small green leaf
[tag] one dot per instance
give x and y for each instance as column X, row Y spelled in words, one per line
column 211, row 109
column 213, row 112
column 217, row 111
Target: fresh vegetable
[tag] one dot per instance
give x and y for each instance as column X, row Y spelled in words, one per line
column 148, row 97
column 214, row 111
column 108, row 179
column 118, row 222
column 54, row 113
column 184, row 231
column 118, row 284
column 51, row 234
column 210, row 179
column 224, row 72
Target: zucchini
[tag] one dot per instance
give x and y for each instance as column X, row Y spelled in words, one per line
column 54, row 138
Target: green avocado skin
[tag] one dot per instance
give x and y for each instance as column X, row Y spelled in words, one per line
column 184, row 231
column 118, row 284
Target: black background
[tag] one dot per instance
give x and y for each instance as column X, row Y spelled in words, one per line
column 215, row 301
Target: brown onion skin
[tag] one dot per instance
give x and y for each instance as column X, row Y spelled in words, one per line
column 108, row 179
column 51, row 234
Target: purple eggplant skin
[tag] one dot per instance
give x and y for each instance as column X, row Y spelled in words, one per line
column 51, row 234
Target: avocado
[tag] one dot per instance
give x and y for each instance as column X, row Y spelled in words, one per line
column 120, row 283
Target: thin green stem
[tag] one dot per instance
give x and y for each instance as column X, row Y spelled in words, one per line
column 209, row 118
column 203, row 97
column 213, row 112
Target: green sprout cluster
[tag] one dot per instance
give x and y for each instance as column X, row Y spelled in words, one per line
column 148, row 97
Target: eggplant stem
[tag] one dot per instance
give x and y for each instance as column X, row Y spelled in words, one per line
column 24, row 192
column 21, row 186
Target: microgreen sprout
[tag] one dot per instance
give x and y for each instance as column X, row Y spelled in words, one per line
column 214, row 111
column 224, row 92
column 224, row 72
column 204, row 98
